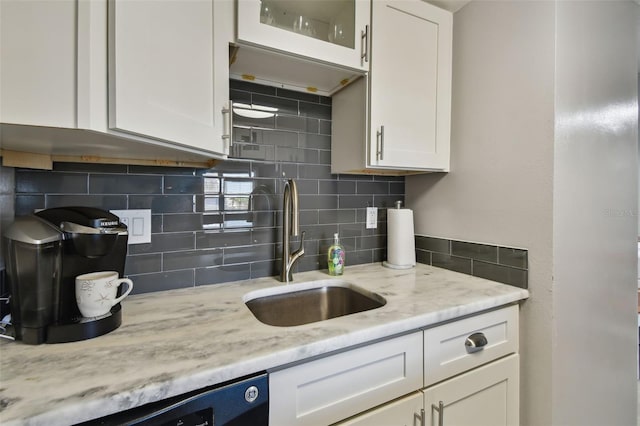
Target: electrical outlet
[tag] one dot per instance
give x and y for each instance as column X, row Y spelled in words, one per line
column 138, row 224
column 372, row 217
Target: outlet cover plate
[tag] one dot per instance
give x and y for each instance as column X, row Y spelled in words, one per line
column 138, row 224
column 372, row 217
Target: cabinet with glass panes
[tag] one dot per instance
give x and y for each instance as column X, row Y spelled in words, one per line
column 331, row 31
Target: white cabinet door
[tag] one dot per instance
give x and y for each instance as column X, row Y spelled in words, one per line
column 405, row 411
column 164, row 72
column 486, row 396
column 397, row 119
column 410, row 85
column 334, row 31
column 330, row 389
column 38, row 62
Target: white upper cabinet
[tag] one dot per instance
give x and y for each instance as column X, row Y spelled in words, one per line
column 38, row 64
column 405, row 125
column 148, row 79
column 410, row 85
column 162, row 78
column 330, row 31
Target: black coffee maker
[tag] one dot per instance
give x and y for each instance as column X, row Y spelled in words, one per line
column 44, row 254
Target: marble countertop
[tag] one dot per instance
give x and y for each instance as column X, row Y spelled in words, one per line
column 176, row 341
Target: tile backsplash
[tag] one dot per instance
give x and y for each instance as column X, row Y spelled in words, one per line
column 224, row 224
column 503, row 264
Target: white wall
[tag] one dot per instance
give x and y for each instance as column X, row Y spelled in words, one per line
column 502, row 187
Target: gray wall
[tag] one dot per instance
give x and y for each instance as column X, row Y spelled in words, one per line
column 531, row 168
column 594, row 209
column 295, row 144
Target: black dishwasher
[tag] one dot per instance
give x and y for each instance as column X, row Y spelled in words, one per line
column 243, row 402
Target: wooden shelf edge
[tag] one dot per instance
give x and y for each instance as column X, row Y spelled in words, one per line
column 45, row 161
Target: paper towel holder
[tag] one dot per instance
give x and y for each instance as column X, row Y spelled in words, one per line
column 400, row 238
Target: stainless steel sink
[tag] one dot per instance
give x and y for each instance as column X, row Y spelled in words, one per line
column 304, row 303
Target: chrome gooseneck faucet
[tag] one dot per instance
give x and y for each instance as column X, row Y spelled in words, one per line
column 290, row 226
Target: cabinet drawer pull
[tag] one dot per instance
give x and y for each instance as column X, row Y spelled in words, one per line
column 380, row 144
column 440, row 409
column 476, row 342
column 364, row 45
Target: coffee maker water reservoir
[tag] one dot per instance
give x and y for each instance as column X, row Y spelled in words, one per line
column 44, row 254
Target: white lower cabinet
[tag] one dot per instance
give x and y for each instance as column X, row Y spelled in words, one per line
column 486, row 396
column 405, row 411
column 333, row 388
column 446, row 353
column 461, row 373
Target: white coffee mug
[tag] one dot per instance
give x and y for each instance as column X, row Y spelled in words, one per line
column 96, row 292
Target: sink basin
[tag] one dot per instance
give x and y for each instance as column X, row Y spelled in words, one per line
column 304, row 303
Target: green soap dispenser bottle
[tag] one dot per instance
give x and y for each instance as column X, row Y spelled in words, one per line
column 335, row 257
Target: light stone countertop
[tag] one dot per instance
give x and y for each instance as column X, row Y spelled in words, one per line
column 177, row 341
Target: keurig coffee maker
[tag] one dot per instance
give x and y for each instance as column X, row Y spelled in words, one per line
column 44, row 253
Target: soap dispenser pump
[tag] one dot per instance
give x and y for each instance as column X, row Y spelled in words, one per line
column 335, row 257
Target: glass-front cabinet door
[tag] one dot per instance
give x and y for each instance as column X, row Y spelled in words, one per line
column 332, row 31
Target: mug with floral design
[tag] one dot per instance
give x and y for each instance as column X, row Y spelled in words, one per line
column 96, row 292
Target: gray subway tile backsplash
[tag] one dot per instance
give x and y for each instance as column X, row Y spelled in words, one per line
column 513, row 257
column 125, row 184
column 173, row 241
column 41, row 181
column 180, row 222
column 504, row 274
column 193, row 245
column 144, row 264
column 221, row 274
column 284, row 105
column 439, row 245
column 164, row 280
column 503, row 264
column 453, row 263
column 296, row 123
column 315, row 110
column 182, row 185
column 475, row 251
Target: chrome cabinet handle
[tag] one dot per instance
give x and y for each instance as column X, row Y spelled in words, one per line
column 364, row 45
column 440, row 409
column 476, row 342
column 423, row 416
column 229, row 113
column 380, row 144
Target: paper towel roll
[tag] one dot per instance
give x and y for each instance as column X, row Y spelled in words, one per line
column 401, row 247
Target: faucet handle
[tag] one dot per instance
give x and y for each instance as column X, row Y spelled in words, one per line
column 300, row 252
column 293, row 258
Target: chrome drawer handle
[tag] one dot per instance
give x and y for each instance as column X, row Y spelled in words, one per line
column 364, row 45
column 229, row 124
column 440, row 409
column 380, row 144
column 476, row 342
